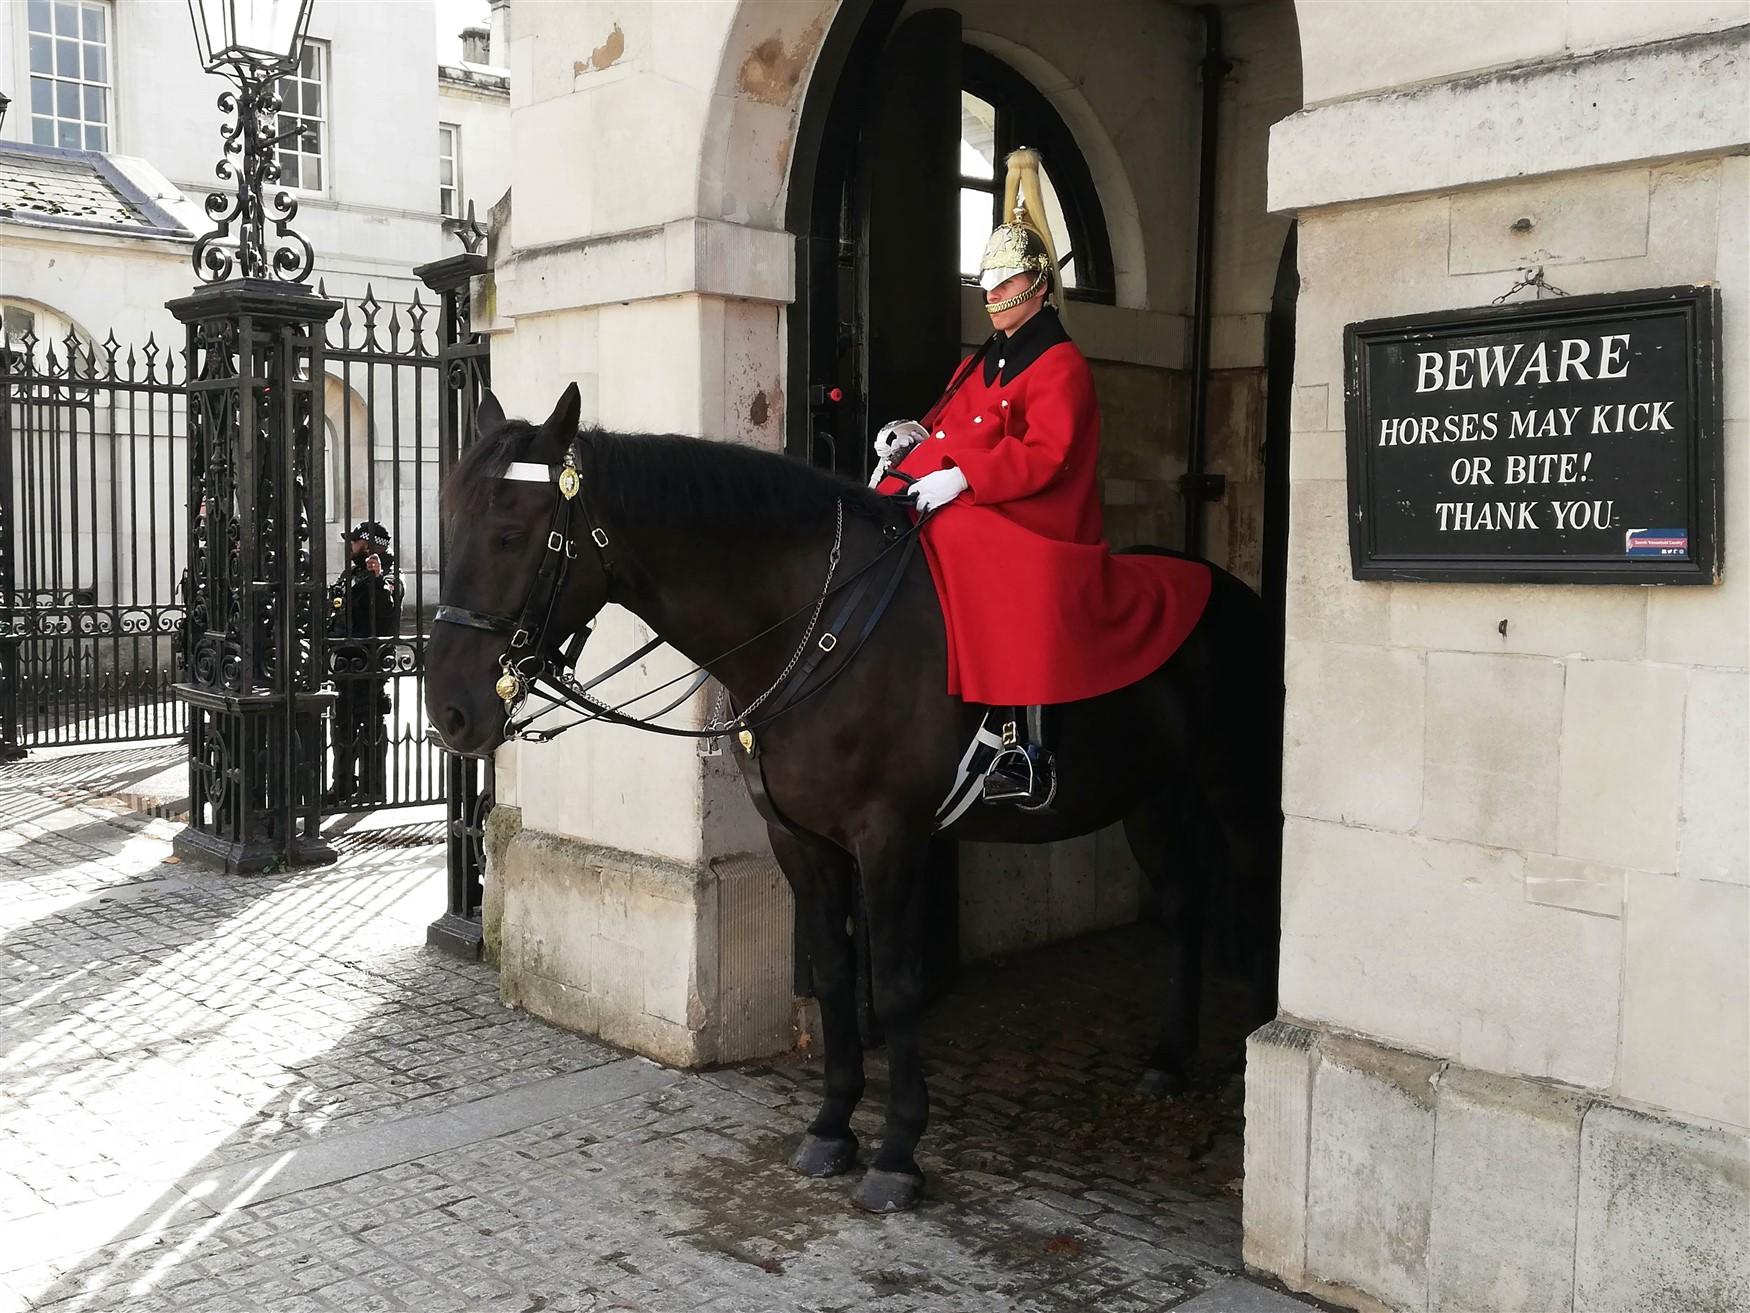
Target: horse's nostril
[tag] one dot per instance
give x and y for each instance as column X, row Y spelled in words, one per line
column 455, row 720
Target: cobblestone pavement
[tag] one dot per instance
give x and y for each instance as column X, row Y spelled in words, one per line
column 232, row 1095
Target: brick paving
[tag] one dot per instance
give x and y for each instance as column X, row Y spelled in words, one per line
column 224, row 1095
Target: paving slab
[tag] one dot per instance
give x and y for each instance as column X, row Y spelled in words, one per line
column 264, row 1093
column 1241, row 1296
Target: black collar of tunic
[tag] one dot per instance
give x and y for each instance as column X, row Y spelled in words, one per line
column 1010, row 353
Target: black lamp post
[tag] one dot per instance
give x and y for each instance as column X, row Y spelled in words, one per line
column 5, row 104
column 253, row 653
column 254, row 43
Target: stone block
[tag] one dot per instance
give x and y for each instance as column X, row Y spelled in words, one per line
column 1662, row 101
column 552, row 175
column 1682, row 225
column 1506, row 1164
column 1661, row 1217
column 1360, row 264
column 637, row 119
column 1237, row 341
column 1714, row 834
column 1732, row 271
column 631, row 949
column 1324, row 600
column 1600, row 624
column 1322, row 455
column 651, row 366
column 1494, row 729
column 1280, row 1058
column 1312, row 408
column 1370, row 1171
column 1596, row 26
column 502, row 825
column 1705, row 626
column 1352, row 737
column 1686, row 997
column 1348, row 46
column 1162, row 339
column 1578, row 886
column 1432, row 945
column 1594, row 216
column 1622, row 741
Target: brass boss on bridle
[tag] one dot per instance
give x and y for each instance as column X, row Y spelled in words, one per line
column 531, row 651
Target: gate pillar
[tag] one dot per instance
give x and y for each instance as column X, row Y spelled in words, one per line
column 465, row 372
column 253, row 644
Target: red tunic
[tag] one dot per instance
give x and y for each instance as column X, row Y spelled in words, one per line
column 1037, row 607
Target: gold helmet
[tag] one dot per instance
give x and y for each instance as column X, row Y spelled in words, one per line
column 1023, row 244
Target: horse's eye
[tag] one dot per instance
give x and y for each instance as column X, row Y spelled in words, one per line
column 511, row 537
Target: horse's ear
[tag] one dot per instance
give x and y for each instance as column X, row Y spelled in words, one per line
column 562, row 423
column 488, row 415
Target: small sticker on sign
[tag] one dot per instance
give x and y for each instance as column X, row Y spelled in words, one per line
column 1656, row 542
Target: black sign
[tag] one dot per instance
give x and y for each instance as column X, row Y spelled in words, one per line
column 1573, row 440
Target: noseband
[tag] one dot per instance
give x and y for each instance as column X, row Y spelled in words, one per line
column 532, row 648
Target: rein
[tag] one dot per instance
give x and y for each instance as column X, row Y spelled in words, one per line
column 545, row 664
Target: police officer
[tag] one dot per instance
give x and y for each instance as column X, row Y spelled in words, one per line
column 364, row 603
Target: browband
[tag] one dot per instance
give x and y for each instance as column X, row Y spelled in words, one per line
column 526, row 471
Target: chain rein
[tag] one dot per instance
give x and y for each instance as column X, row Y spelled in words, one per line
column 521, row 675
column 714, row 727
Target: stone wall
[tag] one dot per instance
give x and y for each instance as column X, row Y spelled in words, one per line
column 1516, row 904
column 665, row 303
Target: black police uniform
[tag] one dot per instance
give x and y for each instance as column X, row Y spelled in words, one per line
column 362, row 605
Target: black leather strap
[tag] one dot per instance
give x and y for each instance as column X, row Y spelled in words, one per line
column 456, row 615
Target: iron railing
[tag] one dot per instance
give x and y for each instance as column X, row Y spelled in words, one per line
column 93, row 486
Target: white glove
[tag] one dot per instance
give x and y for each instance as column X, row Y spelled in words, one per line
column 935, row 491
column 897, row 438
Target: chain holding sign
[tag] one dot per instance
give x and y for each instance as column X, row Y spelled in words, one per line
column 1570, row 441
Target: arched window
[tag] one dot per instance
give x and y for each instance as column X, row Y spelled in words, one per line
column 1001, row 111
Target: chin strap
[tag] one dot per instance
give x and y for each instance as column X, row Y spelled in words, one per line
column 1014, row 301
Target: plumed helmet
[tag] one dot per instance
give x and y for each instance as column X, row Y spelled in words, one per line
column 1023, row 244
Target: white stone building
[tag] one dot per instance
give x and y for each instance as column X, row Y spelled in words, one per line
column 108, row 151
column 129, row 86
column 1510, row 1070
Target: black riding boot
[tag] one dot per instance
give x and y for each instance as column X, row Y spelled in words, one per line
column 1024, row 773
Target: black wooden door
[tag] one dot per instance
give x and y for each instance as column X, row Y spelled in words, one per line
column 908, row 183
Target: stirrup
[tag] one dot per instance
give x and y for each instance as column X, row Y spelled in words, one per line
column 1023, row 776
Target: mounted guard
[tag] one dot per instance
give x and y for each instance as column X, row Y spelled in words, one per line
column 1038, row 610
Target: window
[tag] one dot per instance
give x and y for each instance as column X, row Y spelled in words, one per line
column 450, row 170
column 304, row 104
column 1000, row 112
column 69, row 73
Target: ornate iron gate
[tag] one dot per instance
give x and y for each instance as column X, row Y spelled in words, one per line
column 95, row 533
column 93, row 490
column 387, row 390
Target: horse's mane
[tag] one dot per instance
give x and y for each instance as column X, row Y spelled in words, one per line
column 666, row 481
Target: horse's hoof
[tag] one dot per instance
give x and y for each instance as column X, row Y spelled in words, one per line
column 1159, row 1084
column 819, row 1157
column 887, row 1192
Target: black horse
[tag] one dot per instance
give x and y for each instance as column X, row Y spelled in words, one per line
column 711, row 543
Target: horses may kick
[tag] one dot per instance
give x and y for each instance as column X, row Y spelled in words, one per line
column 715, row 544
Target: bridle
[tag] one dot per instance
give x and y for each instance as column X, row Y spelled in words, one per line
column 536, row 661
column 531, row 649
